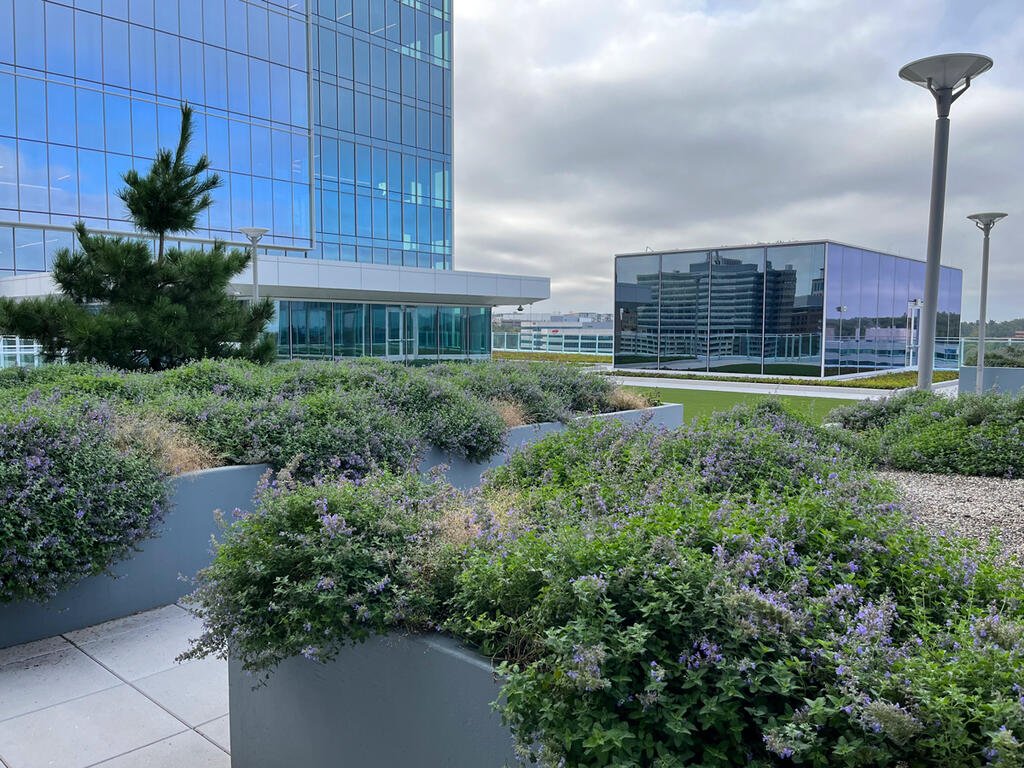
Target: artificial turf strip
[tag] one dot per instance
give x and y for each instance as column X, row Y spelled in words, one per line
column 700, row 403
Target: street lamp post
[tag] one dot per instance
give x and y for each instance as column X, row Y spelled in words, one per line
column 946, row 77
column 984, row 222
column 255, row 234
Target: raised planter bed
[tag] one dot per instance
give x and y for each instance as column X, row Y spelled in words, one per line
column 1005, row 381
column 150, row 577
column 421, row 701
column 466, row 474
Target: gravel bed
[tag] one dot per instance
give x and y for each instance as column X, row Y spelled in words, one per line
column 970, row 506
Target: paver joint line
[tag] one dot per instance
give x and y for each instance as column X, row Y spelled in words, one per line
column 150, row 698
column 136, row 749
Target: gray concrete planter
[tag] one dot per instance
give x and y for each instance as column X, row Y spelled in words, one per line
column 421, row 701
column 465, row 474
column 150, row 577
column 1005, row 381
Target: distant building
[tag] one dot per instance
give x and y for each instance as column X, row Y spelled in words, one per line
column 815, row 308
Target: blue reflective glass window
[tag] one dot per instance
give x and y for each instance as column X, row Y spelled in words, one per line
column 60, row 110
column 329, row 158
column 117, row 113
column 297, row 44
column 408, row 125
column 143, row 61
column 282, row 155
column 278, row 37
column 409, row 178
column 379, row 179
column 347, row 163
column 300, row 98
column 422, row 180
column 117, row 167
column 8, row 173
column 28, row 250
column 423, row 80
column 241, row 201
column 437, row 226
column 409, row 223
column 408, row 27
column 361, row 52
column 345, row 57
column 362, row 114
column 220, row 211
column 238, row 137
column 347, row 208
column 301, row 211
column 436, row 132
column 380, row 218
column 379, row 118
column 422, row 224
column 193, row 87
column 377, row 18
column 328, row 106
column 198, row 146
column 437, row 37
column 6, row 246
column 361, row 15
column 394, row 220
column 8, row 124
column 259, row 40
column 423, row 261
column 168, row 73
column 33, row 176
column 394, row 70
column 346, row 110
column 395, row 175
column 217, row 142
column 31, row 108
column 327, row 9
column 141, row 12
column 328, row 53
column 331, row 212
column 259, row 88
column 28, row 43
column 144, row 138
column 238, row 83
column 261, row 150
column 423, row 128
column 363, row 173
column 213, row 22
column 300, row 157
column 60, row 56
column 115, row 53
column 437, row 95
column 88, row 51
column 409, row 77
column 280, row 96
column 364, row 225
column 168, row 127
column 215, row 62
column 262, row 202
column 378, row 67
column 166, row 17
column 92, row 183
column 235, row 25
column 6, row 31
column 191, row 18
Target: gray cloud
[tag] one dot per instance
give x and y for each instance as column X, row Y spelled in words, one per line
column 590, row 127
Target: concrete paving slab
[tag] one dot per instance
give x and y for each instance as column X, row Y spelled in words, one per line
column 85, row 731
column 185, row 750
column 219, row 730
column 39, row 680
column 196, row 692
column 141, row 645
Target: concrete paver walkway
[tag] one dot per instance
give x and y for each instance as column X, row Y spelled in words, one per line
column 113, row 696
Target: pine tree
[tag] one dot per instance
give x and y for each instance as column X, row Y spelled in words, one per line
column 120, row 305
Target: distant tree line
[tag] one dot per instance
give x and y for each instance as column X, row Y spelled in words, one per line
column 994, row 330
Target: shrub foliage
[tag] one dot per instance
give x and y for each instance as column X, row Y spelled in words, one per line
column 738, row 593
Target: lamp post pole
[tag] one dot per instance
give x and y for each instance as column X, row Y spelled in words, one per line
column 254, row 234
column 984, row 222
column 942, row 76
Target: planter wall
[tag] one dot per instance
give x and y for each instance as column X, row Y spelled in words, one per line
column 150, row 578
column 1005, row 381
column 421, row 701
column 465, row 474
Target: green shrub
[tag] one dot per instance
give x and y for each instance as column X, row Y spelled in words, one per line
column 72, row 503
column 734, row 594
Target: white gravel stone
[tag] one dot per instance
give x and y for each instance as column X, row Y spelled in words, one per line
column 975, row 507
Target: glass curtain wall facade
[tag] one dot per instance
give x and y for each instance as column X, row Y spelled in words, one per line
column 323, row 329
column 796, row 309
column 328, row 120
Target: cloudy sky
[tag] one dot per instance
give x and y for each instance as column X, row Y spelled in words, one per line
column 586, row 128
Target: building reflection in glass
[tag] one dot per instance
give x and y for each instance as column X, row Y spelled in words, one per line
column 810, row 309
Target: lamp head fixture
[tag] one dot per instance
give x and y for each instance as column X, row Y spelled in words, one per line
column 254, row 234
column 985, row 221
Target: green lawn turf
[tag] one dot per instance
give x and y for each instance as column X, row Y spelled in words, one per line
column 701, row 403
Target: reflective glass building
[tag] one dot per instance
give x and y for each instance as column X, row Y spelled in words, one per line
column 809, row 308
column 329, row 121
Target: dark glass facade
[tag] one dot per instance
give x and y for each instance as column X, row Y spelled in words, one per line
column 807, row 309
column 328, row 120
column 323, row 329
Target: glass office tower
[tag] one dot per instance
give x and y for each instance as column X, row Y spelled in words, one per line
column 811, row 309
column 329, row 121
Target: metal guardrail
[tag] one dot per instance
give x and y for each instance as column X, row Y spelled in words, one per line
column 969, row 350
column 566, row 342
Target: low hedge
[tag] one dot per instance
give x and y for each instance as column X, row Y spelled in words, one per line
column 920, row 431
column 998, row 357
column 735, row 594
column 73, row 501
